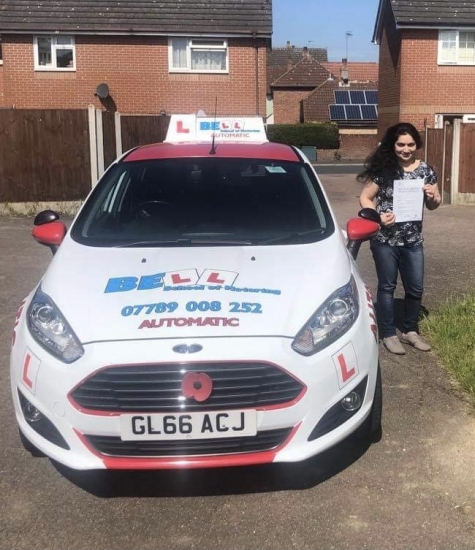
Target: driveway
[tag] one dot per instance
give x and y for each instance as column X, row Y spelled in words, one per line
column 415, row 489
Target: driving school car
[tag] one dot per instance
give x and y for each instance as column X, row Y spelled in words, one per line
column 203, row 309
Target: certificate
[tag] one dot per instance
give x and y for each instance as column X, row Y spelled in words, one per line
column 408, row 200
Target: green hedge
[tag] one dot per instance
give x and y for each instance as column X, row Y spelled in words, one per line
column 319, row 135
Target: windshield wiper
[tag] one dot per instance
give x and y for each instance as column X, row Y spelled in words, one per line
column 196, row 241
column 215, row 237
column 139, row 244
column 292, row 236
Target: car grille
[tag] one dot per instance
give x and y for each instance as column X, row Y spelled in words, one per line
column 263, row 441
column 157, row 388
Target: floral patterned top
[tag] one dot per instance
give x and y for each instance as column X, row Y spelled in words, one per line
column 405, row 233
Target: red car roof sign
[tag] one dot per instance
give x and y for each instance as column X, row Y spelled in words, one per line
column 193, row 128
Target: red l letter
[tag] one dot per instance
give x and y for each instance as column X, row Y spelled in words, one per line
column 181, row 129
column 345, row 373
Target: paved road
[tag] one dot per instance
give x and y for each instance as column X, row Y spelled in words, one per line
column 413, row 490
column 340, row 168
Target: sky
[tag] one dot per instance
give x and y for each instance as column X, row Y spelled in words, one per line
column 325, row 24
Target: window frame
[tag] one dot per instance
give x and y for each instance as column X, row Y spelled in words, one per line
column 201, row 43
column 444, row 37
column 55, row 47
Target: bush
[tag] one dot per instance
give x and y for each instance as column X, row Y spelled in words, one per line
column 319, row 135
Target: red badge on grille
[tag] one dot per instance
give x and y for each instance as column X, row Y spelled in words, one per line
column 197, row 385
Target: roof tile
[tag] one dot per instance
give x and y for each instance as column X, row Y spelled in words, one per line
column 137, row 16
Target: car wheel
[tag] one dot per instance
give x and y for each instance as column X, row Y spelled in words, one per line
column 28, row 445
column 371, row 428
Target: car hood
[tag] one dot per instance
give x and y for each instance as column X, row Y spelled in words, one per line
column 130, row 293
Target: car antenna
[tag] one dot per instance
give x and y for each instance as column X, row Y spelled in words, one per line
column 213, row 146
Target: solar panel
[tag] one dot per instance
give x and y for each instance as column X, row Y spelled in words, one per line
column 342, row 97
column 371, row 97
column 353, row 112
column 337, row 112
column 369, row 112
column 357, row 97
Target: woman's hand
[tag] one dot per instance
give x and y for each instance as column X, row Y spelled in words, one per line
column 388, row 219
column 432, row 196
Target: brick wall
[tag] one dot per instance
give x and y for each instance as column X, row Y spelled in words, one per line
column 287, row 105
column 412, row 86
column 440, row 89
column 353, row 147
column 136, row 71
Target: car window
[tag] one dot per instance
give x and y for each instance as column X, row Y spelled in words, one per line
column 204, row 201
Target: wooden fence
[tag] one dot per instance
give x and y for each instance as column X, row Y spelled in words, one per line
column 57, row 155
column 44, row 155
column 52, row 156
column 451, row 151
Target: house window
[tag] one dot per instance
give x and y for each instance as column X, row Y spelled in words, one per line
column 54, row 53
column 198, row 55
column 1, row 56
column 457, row 47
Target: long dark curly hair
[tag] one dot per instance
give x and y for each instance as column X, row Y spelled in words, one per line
column 383, row 161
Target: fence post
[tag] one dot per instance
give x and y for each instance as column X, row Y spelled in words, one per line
column 92, row 143
column 454, row 177
column 425, row 143
column 100, row 143
column 444, row 155
column 118, row 135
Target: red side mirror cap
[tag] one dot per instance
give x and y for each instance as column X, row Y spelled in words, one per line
column 361, row 229
column 49, row 234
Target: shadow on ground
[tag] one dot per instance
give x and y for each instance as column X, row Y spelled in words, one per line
column 219, row 481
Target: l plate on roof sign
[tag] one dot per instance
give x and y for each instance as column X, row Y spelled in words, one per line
column 192, row 128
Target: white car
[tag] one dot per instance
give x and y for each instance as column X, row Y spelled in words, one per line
column 203, row 309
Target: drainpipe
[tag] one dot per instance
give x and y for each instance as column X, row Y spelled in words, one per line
column 256, row 50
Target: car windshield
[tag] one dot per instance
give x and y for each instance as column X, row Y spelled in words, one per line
column 204, row 202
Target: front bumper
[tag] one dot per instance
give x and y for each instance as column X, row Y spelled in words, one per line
column 287, row 424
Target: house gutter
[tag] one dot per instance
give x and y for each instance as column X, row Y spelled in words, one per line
column 133, row 33
column 256, row 68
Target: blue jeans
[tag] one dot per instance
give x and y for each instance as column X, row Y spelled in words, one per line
column 409, row 262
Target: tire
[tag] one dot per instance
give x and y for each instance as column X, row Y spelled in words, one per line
column 371, row 429
column 28, row 446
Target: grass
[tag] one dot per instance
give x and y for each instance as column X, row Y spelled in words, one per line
column 451, row 331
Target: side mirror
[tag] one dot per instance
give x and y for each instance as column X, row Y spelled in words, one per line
column 369, row 214
column 48, row 230
column 46, row 216
column 359, row 230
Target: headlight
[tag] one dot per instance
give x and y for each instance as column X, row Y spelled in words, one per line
column 51, row 330
column 332, row 319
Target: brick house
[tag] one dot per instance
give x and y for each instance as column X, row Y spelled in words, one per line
column 426, row 62
column 293, row 74
column 353, row 106
column 162, row 57
column 282, row 59
column 294, row 85
column 303, row 86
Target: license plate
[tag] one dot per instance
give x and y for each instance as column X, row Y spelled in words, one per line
column 197, row 425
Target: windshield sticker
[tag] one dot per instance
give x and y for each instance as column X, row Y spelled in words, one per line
column 275, row 170
column 183, row 280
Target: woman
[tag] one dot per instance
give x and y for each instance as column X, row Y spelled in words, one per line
column 398, row 246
